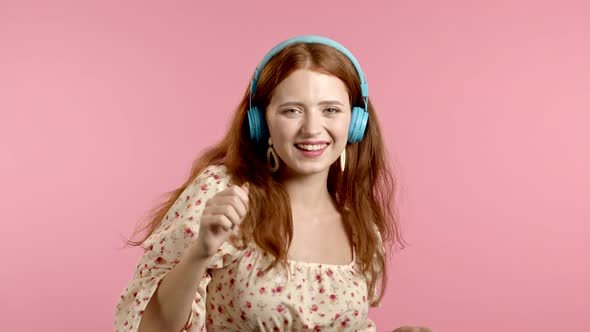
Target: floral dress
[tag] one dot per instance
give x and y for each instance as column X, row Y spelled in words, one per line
column 234, row 294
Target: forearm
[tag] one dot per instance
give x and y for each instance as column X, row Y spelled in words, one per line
column 170, row 306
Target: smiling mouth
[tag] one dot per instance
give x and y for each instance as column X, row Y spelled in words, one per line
column 311, row 147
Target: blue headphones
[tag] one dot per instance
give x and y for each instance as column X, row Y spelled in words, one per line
column 360, row 115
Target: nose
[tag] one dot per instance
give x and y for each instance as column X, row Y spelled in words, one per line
column 312, row 124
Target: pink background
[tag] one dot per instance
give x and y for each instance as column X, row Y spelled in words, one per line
column 485, row 107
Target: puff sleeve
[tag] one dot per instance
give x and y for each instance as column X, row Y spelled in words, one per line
column 166, row 246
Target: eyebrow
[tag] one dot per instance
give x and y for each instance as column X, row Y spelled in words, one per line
column 323, row 102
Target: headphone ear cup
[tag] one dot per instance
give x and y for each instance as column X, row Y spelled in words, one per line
column 255, row 123
column 353, row 124
column 358, row 123
column 363, row 124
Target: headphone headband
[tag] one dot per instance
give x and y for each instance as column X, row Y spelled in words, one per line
column 309, row 39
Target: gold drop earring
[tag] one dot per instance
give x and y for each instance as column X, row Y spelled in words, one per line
column 272, row 161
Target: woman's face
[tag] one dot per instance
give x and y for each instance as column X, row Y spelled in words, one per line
column 308, row 118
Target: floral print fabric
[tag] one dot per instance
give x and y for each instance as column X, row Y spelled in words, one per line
column 234, row 294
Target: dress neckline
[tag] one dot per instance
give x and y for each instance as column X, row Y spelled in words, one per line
column 317, row 264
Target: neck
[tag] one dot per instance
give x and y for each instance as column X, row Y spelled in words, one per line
column 308, row 193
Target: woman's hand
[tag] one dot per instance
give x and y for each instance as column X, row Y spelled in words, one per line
column 221, row 215
column 412, row 329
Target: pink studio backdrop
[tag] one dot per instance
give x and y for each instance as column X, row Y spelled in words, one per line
column 485, row 107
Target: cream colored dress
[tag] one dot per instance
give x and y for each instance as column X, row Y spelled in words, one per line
column 234, row 295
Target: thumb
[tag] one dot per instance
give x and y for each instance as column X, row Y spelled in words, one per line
column 246, row 187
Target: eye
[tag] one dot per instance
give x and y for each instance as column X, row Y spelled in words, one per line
column 331, row 110
column 290, row 111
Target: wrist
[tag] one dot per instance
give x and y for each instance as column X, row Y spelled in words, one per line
column 198, row 254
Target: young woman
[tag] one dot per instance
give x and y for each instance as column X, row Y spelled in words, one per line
column 281, row 226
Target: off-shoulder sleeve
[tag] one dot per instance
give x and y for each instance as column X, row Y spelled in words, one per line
column 166, row 246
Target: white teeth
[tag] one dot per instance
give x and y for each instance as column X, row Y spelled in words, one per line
column 310, row 147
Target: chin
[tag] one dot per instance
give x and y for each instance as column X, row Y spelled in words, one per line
column 309, row 169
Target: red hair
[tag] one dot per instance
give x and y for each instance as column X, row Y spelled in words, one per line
column 364, row 193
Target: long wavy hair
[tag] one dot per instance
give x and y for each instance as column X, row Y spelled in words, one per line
column 364, row 192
